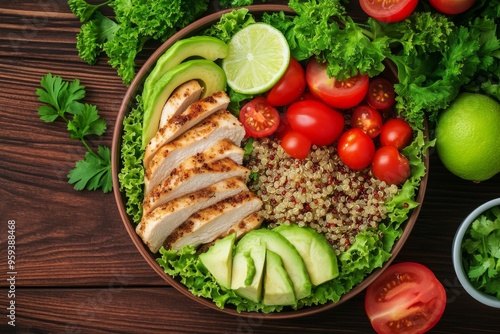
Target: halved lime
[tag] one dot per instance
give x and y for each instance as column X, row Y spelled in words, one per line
column 258, row 57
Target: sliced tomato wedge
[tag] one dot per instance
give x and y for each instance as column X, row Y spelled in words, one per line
column 259, row 118
column 406, row 298
column 337, row 94
column 381, row 94
column 388, row 10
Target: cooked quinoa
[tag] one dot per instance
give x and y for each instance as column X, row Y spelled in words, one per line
column 319, row 191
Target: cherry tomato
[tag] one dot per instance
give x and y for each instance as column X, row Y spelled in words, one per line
column 355, row 149
column 396, row 132
column 390, row 166
column 406, row 298
column 389, row 10
column 259, row 118
column 290, row 87
column 307, row 96
column 338, row 94
column 317, row 121
column 381, row 94
column 296, row 144
column 452, row 7
column 367, row 119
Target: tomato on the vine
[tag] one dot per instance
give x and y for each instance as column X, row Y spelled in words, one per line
column 388, row 10
column 396, row 132
column 259, row 118
column 317, row 121
column 290, row 87
column 452, row 7
column 296, row 144
column 337, row 94
column 356, row 149
column 390, row 166
column 381, row 94
column 367, row 119
column 406, row 298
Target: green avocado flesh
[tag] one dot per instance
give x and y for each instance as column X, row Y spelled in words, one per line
column 205, row 47
column 211, row 77
column 318, row 255
column 292, row 261
column 219, row 260
column 248, row 270
column 278, row 287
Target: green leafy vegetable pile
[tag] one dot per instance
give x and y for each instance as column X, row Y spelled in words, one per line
column 62, row 101
column 481, row 252
column 135, row 22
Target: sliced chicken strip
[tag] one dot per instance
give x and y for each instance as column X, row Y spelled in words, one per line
column 182, row 97
column 224, row 148
column 248, row 224
column 182, row 122
column 156, row 226
column 221, row 125
column 206, row 225
column 183, row 181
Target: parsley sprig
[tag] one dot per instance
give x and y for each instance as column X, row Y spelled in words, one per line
column 481, row 256
column 62, row 101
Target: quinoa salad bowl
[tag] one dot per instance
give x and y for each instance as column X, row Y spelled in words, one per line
column 366, row 221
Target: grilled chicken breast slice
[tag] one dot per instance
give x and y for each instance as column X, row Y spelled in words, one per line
column 251, row 222
column 221, row 125
column 224, row 148
column 206, row 225
column 156, row 226
column 180, row 123
column 183, row 181
column 182, row 97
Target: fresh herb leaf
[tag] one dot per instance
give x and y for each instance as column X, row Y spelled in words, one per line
column 481, row 252
column 83, row 10
column 62, row 100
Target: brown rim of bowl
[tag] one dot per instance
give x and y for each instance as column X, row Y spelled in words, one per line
column 127, row 103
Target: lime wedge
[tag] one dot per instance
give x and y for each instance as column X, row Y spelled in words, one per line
column 258, row 57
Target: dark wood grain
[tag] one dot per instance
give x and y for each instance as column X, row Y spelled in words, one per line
column 77, row 269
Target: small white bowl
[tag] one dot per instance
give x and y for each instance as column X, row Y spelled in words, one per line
column 457, row 256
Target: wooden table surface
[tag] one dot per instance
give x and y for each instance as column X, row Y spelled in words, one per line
column 76, row 269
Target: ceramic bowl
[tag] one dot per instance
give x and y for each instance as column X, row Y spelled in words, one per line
column 128, row 103
column 457, row 255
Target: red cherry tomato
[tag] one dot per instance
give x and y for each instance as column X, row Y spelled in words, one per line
column 317, row 121
column 259, row 118
column 307, row 96
column 290, row 87
column 356, row 149
column 367, row 119
column 296, row 144
column 388, row 10
column 381, row 94
column 406, row 298
column 337, row 94
column 396, row 132
column 452, row 7
column 390, row 166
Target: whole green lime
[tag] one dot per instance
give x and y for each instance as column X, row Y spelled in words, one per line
column 468, row 137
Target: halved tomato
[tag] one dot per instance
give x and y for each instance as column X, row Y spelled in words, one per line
column 388, row 10
column 259, row 118
column 406, row 298
column 367, row 119
column 338, row 94
column 381, row 94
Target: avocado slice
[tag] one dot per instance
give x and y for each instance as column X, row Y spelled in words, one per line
column 218, row 259
column 317, row 253
column 212, row 79
column 248, row 270
column 207, row 47
column 292, row 262
column 278, row 287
